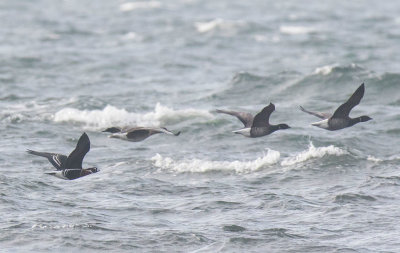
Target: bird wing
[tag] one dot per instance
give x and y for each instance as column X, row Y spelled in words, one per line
column 74, row 160
column 321, row 115
column 245, row 117
column 262, row 118
column 138, row 134
column 113, row 130
column 344, row 110
column 128, row 129
column 57, row 160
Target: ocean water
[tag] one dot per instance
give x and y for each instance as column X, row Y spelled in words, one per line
column 68, row 67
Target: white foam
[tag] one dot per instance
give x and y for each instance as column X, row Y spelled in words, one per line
column 228, row 27
column 113, row 116
column 260, row 38
column 311, row 153
column 264, row 38
column 394, row 157
column 295, row 30
column 52, row 36
column 24, row 111
column 61, row 226
column 324, row 70
column 130, row 6
column 374, row 159
column 132, row 36
column 197, row 165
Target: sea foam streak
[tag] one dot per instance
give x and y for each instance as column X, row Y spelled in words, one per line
column 374, row 159
column 113, row 116
column 225, row 26
column 197, row 165
column 272, row 157
column 325, row 70
column 295, row 30
column 313, row 152
column 130, row 6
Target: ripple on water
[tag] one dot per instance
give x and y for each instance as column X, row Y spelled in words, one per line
column 349, row 198
column 88, row 226
column 233, row 228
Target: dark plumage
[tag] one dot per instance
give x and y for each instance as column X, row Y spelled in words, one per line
column 69, row 167
column 340, row 118
column 136, row 134
column 258, row 125
column 245, row 117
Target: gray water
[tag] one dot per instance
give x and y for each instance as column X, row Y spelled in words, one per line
column 72, row 66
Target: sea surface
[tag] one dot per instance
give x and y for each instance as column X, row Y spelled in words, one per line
column 68, row 67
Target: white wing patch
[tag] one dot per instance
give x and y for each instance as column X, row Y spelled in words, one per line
column 56, row 159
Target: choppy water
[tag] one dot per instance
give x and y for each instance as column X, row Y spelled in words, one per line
column 73, row 66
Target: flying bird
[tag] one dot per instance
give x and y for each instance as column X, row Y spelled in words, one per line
column 340, row 118
column 136, row 134
column 69, row 167
column 258, row 125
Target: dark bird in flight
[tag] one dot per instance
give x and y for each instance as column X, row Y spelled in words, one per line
column 136, row 134
column 69, row 167
column 258, row 125
column 340, row 118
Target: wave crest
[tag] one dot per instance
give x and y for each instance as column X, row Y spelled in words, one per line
column 226, row 27
column 335, row 68
column 111, row 115
column 245, row 77
column 313, row 152
column 68, row 226
column 197, row 165
column 348, row 198
column 296, row 30
column 272, row 157
column 130, row 6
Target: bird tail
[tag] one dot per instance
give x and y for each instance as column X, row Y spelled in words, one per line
column 322, row 124
column 243, row 131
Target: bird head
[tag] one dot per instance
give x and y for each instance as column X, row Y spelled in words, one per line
column 93, row 170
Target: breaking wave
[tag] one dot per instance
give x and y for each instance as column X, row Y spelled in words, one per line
column 311, row 153
column 295, row 30
column 224, row 27
column 130, row 6
column 272, row 157
column 335, row 68
column 113, row 116
column 197, row 165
